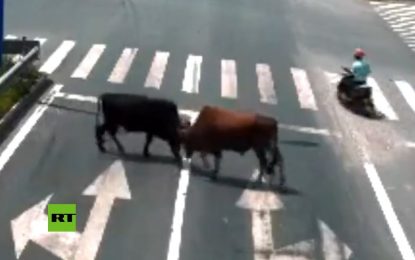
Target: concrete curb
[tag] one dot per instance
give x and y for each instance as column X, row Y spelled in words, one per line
column 12, row 118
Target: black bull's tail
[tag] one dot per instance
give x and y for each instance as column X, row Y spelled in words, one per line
column 99, row 111
column 99, row 127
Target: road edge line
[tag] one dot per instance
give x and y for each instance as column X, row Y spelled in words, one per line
column 388, row 211
column 27, row 126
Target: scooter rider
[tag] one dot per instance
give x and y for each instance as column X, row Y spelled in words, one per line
column 361, row 70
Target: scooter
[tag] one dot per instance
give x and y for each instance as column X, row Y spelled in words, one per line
column 361, row 104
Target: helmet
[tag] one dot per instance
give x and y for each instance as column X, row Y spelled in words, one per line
column 359, row 53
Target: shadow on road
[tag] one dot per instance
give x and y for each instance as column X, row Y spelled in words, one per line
column 134, row 157
column 300, row 143
column 69, row 108
column 198, row 171
column 243, row 183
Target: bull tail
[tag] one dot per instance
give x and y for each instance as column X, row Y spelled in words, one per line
column 99, row 111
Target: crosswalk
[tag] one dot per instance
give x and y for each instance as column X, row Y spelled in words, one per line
column 400, row 17
column 267, row 88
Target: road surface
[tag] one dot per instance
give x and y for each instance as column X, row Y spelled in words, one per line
column 351, row 178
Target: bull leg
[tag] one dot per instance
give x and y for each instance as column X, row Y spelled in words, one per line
column 149, row 139
column 261, row 154
column 99, row 132
column 218, row 157
column 278, row 161
column 113, row 132
column 203, row 157
column 175, row 149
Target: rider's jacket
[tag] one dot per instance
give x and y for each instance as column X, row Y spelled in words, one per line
column 361, row 69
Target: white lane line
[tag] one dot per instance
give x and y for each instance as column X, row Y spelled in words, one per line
column 332, row 78
column 304, row 91
column 382, row 5
column 398, row 12
column 192, row 74
column 27, row 126
column 123, row 65
column 10, row 37
column 77, row 97
column 57, row 57
column 89, row 61
column 266, row 84
column 401, row 23
column 407, row 92
column 307, row 130
column 380, row 100
column 41, row 40
column 194, row 114
column 157, row 69
column 388, row 212
column 410, row 144
column 229, row 82
column 173, row 252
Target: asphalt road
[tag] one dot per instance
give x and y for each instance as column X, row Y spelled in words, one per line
column 327, row 173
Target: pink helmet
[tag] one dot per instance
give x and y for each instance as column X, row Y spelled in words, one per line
column 359, row 53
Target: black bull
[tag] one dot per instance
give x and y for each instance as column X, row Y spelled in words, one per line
column 138, row 113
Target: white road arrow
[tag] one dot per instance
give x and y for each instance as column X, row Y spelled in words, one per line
column 260, row 203
column 33, row 225
column 332, row 247
column 107, row 187
column 304, row 250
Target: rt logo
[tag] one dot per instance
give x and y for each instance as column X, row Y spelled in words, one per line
column 62, row 217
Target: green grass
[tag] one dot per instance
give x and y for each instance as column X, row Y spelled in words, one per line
column 19, row 86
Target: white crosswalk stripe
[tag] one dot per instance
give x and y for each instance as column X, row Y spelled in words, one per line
column 91, row 58
column 304, row 91
column 155, row 75
column 380, row 100
column 53, row 62
column 123, row 65
column 266, row 84
column 407, row 92
column 192, row 74
column 400, row 17
column 229, row 82
column 229, row 76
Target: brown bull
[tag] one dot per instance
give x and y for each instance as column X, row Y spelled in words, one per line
column 217, row 129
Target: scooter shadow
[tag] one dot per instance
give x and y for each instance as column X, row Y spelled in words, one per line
column 360, row 110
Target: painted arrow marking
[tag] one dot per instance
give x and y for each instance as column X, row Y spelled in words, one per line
column 303, row 250
column 261, row 203
column 33, row 225
column 107, row 187
column 332, row 247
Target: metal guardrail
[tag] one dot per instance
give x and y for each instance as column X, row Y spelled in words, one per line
column 30, row 50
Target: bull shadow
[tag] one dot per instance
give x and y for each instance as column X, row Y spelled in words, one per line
column 140, row 158
column 67, row 108
column 300, row 143
column 242, row 183
column 359, row 109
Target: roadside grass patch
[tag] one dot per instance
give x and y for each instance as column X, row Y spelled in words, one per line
column 18, row 87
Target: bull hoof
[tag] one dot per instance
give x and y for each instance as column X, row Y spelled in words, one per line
column 214, row 177
column 146, row 154
column 101, row 148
